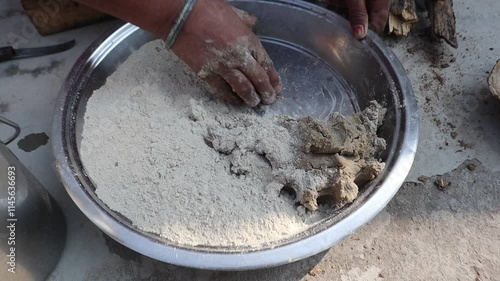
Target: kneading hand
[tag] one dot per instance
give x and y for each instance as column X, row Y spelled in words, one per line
column 218, row 44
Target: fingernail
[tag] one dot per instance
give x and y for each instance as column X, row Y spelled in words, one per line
column 265, row 95
column 253, row 101
column 267, row 98
column 278, row 88
column 359, row 31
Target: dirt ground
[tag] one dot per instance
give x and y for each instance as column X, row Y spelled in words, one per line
column 424, row 234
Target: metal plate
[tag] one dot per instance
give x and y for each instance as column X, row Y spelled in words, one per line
column 310, row 85
column 324, row 69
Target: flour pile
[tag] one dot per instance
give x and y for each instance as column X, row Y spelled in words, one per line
column 178, row 162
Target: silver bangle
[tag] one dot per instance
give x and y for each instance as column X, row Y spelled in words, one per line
column 179, row 23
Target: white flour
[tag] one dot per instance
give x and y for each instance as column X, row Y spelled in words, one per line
column 180, row 163
column 151, row 163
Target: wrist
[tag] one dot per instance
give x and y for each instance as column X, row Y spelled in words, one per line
column 164, row 25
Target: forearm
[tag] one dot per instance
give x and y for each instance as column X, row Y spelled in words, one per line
column 155, row 16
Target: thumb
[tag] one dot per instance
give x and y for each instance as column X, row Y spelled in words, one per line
column 358, row 17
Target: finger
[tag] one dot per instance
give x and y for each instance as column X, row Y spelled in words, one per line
column 261, row 56
column 220, row 87
column 241, row 86
column 274, row 77
column 260, row 80
column 379, row 13
column 248, row 20
column 358, row 17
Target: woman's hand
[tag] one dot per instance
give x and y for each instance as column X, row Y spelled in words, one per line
column 362, row 12
column 218, row 44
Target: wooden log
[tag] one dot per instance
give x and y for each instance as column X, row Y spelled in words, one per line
column 402, row 17
column 442, row 20
column 494, row 80
column 52, row 16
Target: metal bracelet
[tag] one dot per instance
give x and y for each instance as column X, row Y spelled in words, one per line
column 179, row 22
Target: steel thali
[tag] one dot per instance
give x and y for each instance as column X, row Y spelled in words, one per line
column 324, row 69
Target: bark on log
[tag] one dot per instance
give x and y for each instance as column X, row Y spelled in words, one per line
column 402, row 17
column 494, row 80
column 442, row 20
column 52, row 16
